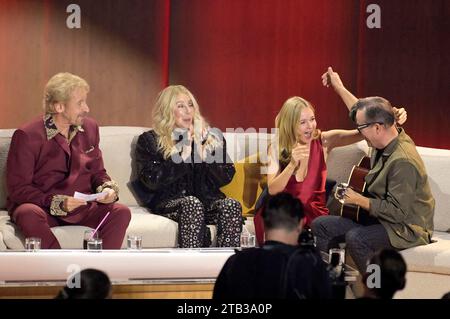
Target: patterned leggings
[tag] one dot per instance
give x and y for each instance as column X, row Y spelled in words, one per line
column 192, row 218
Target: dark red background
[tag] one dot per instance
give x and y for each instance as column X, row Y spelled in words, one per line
column 244, row 58
column 241, row 58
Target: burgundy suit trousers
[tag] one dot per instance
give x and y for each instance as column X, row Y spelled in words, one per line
column 36, row 222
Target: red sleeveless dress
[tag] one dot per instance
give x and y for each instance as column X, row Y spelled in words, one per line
column 311, row 191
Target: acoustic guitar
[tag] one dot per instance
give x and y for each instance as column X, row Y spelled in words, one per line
column 358, row 184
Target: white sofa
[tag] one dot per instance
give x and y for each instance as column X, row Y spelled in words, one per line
column 428, row 266
column 117, row 144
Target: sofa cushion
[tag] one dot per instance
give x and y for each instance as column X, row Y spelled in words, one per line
column 248, row 151
column 341, row 160
column 156, row 231
column 245, row 144
column 437, row 164
column 247, row 184
column 2, row 244
column 12, row 236
column 118, row 147
column 432, row 258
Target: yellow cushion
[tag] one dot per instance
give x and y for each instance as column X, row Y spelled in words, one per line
column 247, row 184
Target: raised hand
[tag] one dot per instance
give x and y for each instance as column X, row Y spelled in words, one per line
column 331, row 78
column 300, row 154
column 187, row 145
column 400, row 115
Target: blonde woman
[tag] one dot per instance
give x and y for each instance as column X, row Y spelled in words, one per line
column 182, row 163
column 297, row 161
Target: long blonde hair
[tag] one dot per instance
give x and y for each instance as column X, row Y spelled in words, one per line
column 287, row 122
column 164, row 120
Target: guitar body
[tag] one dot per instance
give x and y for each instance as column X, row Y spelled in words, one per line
column 358, row 184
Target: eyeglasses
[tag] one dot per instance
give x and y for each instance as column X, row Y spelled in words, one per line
column 363, row 126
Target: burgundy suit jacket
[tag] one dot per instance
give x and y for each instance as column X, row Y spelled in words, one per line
column 38, row 169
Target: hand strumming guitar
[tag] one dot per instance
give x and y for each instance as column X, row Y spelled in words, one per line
column 353, row 198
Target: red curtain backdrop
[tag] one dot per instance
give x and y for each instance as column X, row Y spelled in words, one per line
column 120, row 49
column 241, row 58
column 407, row 61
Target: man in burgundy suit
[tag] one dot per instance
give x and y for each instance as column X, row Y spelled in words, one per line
column 56, row 155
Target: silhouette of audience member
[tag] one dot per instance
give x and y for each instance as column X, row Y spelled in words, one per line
column 391, row 277
column 446, row 296
column 280, row 268
column 94, row 284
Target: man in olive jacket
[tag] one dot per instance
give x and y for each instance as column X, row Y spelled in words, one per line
column 397, row 198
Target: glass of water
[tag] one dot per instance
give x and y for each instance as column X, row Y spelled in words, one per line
column 88, row 234
column 134, row 242
column 248, row 240
column 339, row 194
column 32, row 243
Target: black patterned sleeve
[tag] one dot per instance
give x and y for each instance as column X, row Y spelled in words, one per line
column 153, row 170
column 219, row 166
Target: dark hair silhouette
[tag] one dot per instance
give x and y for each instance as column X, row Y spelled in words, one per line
column 446, row 296
column 393, row 272
column 282, row 211
column 376, row 109
column 94, row 284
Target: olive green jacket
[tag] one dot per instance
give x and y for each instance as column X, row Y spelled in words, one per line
column 400, row 194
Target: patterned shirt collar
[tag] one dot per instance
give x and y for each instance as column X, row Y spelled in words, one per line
column 52, row 130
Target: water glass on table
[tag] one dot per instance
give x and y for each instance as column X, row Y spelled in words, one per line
column 88, row 234
column 95, row 244
column 134, row 242
column 248, row 240
column 32, row 243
